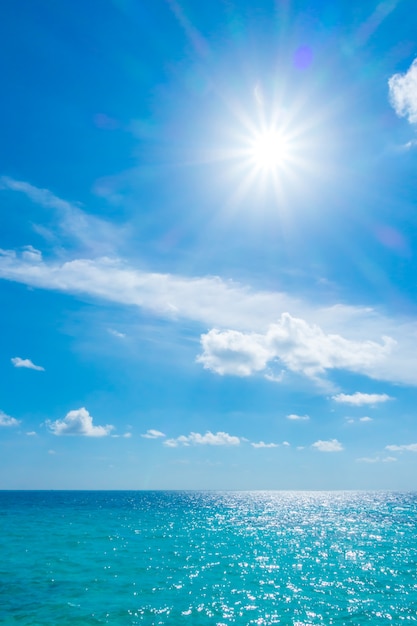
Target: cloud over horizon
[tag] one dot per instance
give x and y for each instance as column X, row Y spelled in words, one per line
column 409, row 447
column 333, row 445
column 208, row 439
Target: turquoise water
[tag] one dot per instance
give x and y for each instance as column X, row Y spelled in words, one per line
column 199, row 558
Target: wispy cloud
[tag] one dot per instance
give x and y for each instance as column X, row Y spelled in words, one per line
column 366, row 418
column 31, row 254
column 6, row 420
column 153, row 434
column 78, row 422
column 403, row 93
column 208, row 439
column 333, row 445
column 116, row 333
column 208, row 300
column 409, row 447
column 377, row 459
column 26, row 363
column 356, row 339
column 262, row 444
column 360, row 399
column 298, row 418
column 71, row 221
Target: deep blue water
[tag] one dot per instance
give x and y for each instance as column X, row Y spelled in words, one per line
column 199, row 558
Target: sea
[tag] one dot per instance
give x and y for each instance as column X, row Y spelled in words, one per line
column 207, row 558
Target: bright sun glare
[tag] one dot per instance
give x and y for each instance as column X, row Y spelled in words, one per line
column 270, row 150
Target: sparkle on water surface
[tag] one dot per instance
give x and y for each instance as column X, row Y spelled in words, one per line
column 198, row 558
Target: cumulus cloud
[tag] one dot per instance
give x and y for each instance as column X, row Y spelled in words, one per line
column 233, row 352
column 262, row 444
column 366, row 418
column 403, row 93
column 153, row 434
column 359, row 399
column 6, row 420
column 303, row 348
column 27, row 363
column 209, row 439
column 333, row 445
column 410, row 447
column 78, row 422
column 297, row 418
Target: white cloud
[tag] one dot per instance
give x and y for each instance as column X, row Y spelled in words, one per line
column 333, row 445
column 6, row 420
column 366, row 419
column 31, row 433
column 153, row 434
column 403, row 93
column 359, row 399
column 301, row 347
column 410, row 447
column 298, row 418
column 209, row 439
column 208, row 300
column 89, row 231
column 30, row 253
column 233, row 352
column 377, row 459
column 275, row 378
column 262, row 444
column 26, row 363
column 410, row 144
column 78, row 422
column 310, row 340
column 116, row 333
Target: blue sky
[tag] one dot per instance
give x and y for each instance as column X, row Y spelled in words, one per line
column 207, row 244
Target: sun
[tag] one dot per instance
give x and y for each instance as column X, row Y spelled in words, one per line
column 270, row 150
